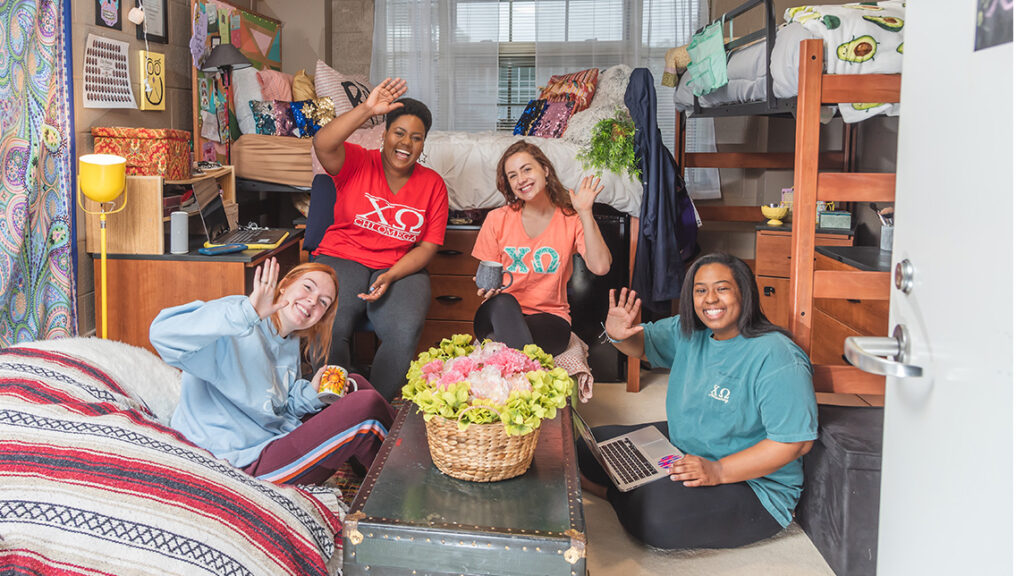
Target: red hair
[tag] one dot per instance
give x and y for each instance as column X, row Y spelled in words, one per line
column 315, row 340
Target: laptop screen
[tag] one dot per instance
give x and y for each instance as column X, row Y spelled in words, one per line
column 215, row 219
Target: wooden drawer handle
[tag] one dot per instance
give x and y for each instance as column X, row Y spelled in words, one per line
column 769, row 290
column 853, row 301
column 449, row 252
column 449, row 298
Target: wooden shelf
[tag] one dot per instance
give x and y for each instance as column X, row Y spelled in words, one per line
column 139, row 228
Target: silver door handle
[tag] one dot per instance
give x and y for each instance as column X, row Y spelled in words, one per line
column 868, row 353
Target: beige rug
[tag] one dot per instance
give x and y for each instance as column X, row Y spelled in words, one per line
column 611, row 552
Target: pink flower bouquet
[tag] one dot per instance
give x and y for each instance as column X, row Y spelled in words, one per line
column 486, row 383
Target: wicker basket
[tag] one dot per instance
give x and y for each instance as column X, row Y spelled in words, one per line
column 480, row 453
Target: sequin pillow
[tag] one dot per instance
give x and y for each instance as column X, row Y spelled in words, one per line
column 311, row 115
column 553, row 121
column 273, row 118
column 578, row 87
column 531, row 114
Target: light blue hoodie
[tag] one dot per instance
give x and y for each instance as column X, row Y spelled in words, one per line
column 241, row 386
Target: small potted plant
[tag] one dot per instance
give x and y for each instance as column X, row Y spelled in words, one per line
column 483, row 405
column 611, row 146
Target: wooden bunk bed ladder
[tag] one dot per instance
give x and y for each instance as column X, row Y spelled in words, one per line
column 816, row 89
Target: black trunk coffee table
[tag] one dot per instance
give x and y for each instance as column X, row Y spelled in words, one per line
column 409, row 518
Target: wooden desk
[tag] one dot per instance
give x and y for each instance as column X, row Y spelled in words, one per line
column 139, row 286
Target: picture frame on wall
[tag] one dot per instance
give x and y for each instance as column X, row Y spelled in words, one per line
column 154, row 27
column 108, row 14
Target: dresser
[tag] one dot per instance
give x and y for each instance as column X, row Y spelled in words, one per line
column 773, row 258
column 836, row 319
column 453, row 299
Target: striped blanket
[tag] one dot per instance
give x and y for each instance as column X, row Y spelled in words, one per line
column 91, row 483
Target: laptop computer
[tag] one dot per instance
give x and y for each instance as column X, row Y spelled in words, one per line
column 218, row 231
column 633, row 459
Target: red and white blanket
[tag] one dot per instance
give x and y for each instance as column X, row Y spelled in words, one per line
column 92, row 483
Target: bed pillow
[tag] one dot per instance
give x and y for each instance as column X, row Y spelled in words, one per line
column 578, row 87
column 245, row 87
column 311, row 115
column 273, row 118
column 303, row 87
column 275, row 85
column 609, row 97
column 346, row 91
column 533, row 111
column 553, row 121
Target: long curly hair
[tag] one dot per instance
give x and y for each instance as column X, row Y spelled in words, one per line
column 315, row 340
column 557, row 192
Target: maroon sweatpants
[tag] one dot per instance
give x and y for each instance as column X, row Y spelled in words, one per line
column 355, row 425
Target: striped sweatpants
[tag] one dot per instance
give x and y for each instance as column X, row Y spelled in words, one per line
column 353, row 426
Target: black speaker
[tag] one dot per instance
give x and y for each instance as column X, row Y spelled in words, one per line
column 588, row 294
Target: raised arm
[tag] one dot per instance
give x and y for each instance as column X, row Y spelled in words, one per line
column 329, row 140
column 598, row 258
column 621, row 326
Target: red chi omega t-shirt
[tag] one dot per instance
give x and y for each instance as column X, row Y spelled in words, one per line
column 376, row 227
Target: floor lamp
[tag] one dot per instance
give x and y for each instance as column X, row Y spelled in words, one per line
column 223, row 59
column 101, row 178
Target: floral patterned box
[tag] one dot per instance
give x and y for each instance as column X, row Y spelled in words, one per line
column 149, row 151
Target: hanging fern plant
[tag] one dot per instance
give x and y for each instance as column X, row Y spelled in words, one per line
column 611, row 146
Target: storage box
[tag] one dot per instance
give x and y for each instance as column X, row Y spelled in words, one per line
column 410, row 518
column 842, row 484
column 149, row 152
column 835, row 219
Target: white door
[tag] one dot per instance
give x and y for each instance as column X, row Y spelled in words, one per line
column 946, row 502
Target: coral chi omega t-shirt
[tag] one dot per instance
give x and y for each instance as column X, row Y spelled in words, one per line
column 376, row 227
column 541, row 266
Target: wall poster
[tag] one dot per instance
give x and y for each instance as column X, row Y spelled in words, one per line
column 151, row 85
column 108, row 13
column 105, row 75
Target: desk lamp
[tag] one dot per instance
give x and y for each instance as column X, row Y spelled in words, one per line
column 223, row 59
column 101, row 178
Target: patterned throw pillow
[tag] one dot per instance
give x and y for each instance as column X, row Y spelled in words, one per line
column 533, row 111
column 273, row 118
column 311, row 115
column 302, row 86
column 578, row 87
column 553, row 121
column 275, row 85
column 346, row 91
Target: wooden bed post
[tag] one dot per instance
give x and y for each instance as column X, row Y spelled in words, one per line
column 805, row 195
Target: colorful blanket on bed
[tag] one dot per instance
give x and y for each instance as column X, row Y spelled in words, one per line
column 859, row 38
column 91, row 483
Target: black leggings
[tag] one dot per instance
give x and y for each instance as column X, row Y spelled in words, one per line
column 666, row 514
column 501, row 319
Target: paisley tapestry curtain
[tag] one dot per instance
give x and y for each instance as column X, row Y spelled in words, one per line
column 37, row 235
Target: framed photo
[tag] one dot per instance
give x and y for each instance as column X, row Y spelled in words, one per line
column 154, row 28
column 108, row 13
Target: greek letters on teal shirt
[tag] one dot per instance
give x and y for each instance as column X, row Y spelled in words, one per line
column 726, row 396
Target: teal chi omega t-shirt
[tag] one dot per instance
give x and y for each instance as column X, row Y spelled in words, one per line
column 725, row 396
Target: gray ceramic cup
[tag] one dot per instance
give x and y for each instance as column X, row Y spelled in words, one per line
column 490, row 274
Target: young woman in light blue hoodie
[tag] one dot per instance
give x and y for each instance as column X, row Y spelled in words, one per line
column 243, row 396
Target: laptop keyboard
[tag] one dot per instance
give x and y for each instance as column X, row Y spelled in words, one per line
column 627, row 460
column 246, row 236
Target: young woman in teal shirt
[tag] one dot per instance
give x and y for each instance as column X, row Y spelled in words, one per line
column 740, row 406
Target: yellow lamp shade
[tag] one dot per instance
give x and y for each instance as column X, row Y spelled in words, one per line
column 101, row 176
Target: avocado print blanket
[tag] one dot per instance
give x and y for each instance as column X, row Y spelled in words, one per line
column 860, row 38
column 36, row 152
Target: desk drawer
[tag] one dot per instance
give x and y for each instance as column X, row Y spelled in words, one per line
column 774, row 250
column 869, row 317
column 456, row 256
column 828, row 337
column 452, row 298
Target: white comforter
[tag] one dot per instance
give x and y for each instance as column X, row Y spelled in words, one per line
column 468, row 162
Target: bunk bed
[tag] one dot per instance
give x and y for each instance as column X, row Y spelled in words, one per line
column 815, row 89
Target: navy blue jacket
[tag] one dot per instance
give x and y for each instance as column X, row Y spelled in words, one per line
column 668, row 222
